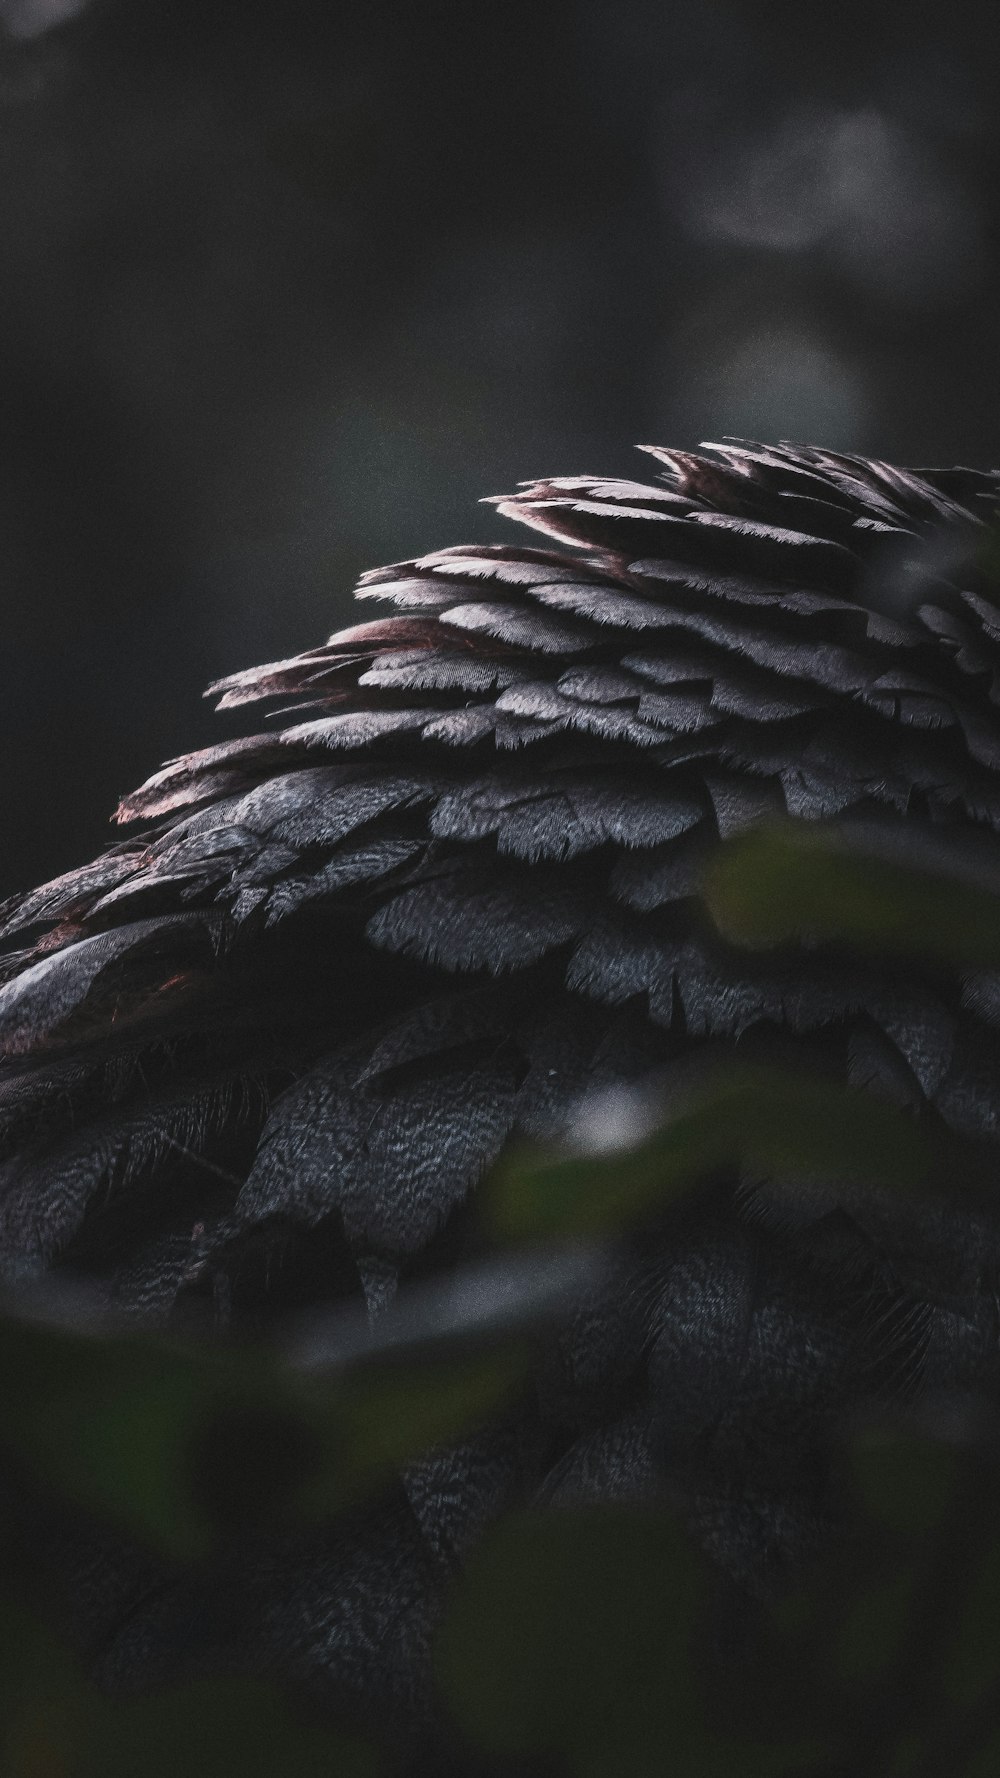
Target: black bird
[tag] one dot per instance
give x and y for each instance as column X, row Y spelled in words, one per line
column 258, row 1058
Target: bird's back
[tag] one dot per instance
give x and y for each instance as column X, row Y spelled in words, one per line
column 258, row 1058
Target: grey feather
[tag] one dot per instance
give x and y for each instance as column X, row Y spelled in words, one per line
column 456, row 889
column 462, row 920
column 392, row 1162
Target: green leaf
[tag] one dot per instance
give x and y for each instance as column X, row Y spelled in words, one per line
column 777, row 883
column 877, row 1619
column 54, row 1725
column 907, row 1757
column 385, row 1414
column 107, row 1421
column 763, row 1121
column 569, row 1631
column 576, row 1634
column 177, row 1444
column 973, row 1668
column 905, row 1481
column 985, row 1763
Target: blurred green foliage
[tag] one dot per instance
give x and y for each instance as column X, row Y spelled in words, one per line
column 174, row 1442
column 797, row 879
column 578, row 1637
column 770, row 1121
column 54, row 1725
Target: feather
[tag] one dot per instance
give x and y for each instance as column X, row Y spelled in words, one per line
column 608, row 722
column 562, row 816
column 36, row 1004
column 466, row 919
column 394, row 1163
column 258, row 1059
column 349, row 867
column 463, row 728
column 416, row 593
column 448, row 1022
column 519, row 628
column 45, row 1194
column 742, row 589
column 195, row 778
column 671, row 872
column 354, row 730
column 74, row 893
column 604, row 605
column 513, row 567
column 439, row 671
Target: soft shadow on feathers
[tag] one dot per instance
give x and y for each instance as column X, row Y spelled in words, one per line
column 258, row 1057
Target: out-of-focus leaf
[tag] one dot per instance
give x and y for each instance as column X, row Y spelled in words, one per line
column 778, row 883
column 473, row 1308
column 384, row 1415
column 249, row 1461
column 972, row 1672
column 571, row 1635
column 106, row 1421
column 890, row 1649
column 872, row 1633
column 986, row 1762
column 324, row 1442
column 54, row 1725
column 44, row 1705
column 571, row 1629
column 762, row 1121
column 176, row 1443
column 906, row 1758
column 904, row 1481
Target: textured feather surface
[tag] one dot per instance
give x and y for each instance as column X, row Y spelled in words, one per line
column 303, row 1011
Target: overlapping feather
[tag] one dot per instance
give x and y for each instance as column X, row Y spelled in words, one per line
column 354, row 954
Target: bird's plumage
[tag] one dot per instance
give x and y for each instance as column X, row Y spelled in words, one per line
column 259, row 1057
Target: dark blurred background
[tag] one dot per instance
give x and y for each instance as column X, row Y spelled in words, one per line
column 286, row 287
